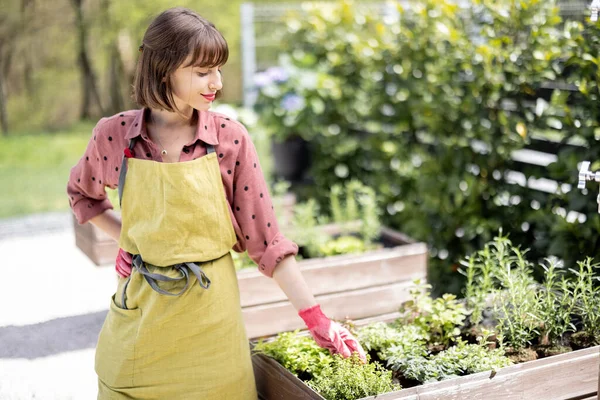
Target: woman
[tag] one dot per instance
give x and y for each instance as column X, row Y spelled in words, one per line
column 191, row 189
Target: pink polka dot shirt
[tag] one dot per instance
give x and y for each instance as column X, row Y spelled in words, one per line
column 247, row 193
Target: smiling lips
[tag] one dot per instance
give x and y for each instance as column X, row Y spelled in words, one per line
column 209, row 97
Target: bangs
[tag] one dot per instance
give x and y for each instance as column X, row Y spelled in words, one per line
column 209, row 49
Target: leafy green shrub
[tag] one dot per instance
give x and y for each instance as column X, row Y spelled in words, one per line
column 386, row 339
column 298, row 354
column 439, row 99
column 460, row 359
column 575, row 118
column 342, row 245
column 349, row 379
column 440, row 317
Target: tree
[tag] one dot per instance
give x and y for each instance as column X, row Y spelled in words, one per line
column 88, row 78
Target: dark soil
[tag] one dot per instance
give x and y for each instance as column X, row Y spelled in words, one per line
column 521, row 356
column 405, row 382
column 548, row 351
column 580, row 340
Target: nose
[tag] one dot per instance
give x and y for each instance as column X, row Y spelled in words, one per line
column 216, row 83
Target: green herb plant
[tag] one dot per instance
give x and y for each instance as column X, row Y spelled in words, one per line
column 298, row 354
column 441, row 317
column 460, row 359
column 515, row 303
column 350, row 379
column 587, row 298
column 482, row 275
column 386, row 339
column 556, row 304
column 349, row 203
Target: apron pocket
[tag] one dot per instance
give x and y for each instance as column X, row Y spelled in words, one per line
column 115, row 352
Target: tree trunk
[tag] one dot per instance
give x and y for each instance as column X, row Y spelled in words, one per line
column 89, row 87
column 3, row 116
column 27, row 12
column 115, row 86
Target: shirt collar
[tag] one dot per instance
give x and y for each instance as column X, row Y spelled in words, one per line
column 206, row 130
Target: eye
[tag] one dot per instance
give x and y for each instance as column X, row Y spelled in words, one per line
column 203, row 74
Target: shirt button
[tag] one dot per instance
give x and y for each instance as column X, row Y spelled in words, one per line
column 279, row 259
column 275, row 241
column 262, row 266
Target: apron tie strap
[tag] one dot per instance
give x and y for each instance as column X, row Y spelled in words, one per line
column 152, row 278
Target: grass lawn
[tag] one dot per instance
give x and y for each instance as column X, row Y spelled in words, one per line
column 34, row 169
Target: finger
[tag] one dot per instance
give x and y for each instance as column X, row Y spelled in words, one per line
column 324, row 342
column 353, row 345
column 119, row 263
column 122, row 270
column 127, row 268
column 127, row 257
column 119, row 272
column 339, row 343
column 124, row 265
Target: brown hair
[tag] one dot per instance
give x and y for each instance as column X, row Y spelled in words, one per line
column 170, row 38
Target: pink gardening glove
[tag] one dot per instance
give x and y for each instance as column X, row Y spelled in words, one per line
column 330, row 335
column 123, row 263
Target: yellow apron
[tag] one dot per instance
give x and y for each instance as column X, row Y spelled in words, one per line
column 174, row 329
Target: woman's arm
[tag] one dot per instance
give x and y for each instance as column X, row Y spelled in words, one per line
column 109, row 222
column 326, row 333
column 290, row 280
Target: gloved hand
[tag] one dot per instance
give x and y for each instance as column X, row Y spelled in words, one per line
column 123, row 263
column 330, row 335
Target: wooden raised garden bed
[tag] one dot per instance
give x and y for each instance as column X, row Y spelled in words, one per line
column 347, row 286
column 570, row 376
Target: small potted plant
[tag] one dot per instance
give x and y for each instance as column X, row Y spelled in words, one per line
column 283, row 106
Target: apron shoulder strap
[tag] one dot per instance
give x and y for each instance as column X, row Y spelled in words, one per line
column 123, row 172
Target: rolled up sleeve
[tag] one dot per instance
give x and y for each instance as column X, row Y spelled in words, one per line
column 255, row 221
column 86, row 186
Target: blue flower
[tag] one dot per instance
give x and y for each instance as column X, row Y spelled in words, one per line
column 262, row 79
column 292, row 102
column 277, row 74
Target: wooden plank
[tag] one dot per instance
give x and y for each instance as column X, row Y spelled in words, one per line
column 100, row 253
column 273, row 382
column 268, row 319
column 566, row 376
column 340, row 273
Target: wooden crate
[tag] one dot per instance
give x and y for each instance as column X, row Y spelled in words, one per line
column 97, row 245
column 570, row 376
column 347, row 286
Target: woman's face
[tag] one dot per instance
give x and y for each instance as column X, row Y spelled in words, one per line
column 195, row 87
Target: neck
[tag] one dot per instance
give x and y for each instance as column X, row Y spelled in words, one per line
column 171, row 120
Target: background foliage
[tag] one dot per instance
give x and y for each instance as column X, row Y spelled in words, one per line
column 428, row 109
